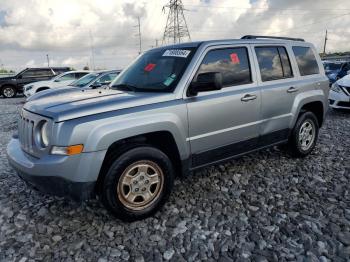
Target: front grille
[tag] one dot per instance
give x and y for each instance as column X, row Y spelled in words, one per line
column 26, row 134
column 27, row 125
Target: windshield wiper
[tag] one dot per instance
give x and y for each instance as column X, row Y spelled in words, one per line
column 124, row 87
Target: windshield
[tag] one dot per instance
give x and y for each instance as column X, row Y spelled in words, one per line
column 85, row 80
column 158, row 70
column 332, row 66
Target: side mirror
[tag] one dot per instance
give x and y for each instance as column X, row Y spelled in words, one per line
column 205, row 82
column 57, row 80
column 96, row 85
column 19, row 77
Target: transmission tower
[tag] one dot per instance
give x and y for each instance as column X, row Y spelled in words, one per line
column 176, row 27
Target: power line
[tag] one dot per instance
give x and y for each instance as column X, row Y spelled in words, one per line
column 268, row 8
column 176, row 27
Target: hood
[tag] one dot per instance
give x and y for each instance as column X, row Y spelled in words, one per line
column 70, row 103
column 345, row 81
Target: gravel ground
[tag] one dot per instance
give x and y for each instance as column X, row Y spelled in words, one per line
column 261, row 207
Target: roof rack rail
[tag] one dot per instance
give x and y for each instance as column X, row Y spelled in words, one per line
column 271, row 37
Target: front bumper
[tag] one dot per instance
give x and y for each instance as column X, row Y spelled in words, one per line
column 72, row 177
column 339, row 100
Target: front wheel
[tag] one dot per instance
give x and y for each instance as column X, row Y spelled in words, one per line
column 138, row 183
column 8, row 92
column 304, row 135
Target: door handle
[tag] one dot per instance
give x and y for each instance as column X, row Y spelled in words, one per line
column 248, row 97
column 292, row 90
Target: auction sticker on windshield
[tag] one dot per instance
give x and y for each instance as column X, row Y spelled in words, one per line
column 177, row 53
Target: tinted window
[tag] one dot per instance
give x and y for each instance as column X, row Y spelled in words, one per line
column 107, row 79
column 80, row 75
column 158, row 70
column 273, row 63
column 67, row 77
column 28, row 74
column 306, row 60
column 87, row 79
column 43, row 72
column 232, row 63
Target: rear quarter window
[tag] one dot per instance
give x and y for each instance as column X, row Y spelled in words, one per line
column 306, row 60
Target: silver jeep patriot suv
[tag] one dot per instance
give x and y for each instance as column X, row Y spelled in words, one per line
column 173, row 110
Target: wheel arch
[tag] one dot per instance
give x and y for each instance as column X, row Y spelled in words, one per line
column 162, row 140
column 313, row 101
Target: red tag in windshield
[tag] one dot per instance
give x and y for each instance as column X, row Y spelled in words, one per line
column 234, row 58
column 149, row 67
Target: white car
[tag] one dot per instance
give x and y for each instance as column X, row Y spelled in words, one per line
column 56, row 82
column 339, row 95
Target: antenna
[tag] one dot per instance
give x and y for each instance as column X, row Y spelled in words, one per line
column 176, row 27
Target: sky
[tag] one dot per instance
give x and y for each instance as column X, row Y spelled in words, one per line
column 72, row 32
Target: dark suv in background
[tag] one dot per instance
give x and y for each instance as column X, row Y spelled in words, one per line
column 10, row 86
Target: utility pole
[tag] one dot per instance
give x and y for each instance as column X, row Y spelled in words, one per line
column 176, row 26
column 139, row 34
column 48, row 60
column 92, row 51
column 325, row 43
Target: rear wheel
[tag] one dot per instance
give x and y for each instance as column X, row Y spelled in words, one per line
column 304, row 135
column 8, row 91
column 138, row 183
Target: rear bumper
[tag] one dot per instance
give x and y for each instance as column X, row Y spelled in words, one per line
column 72, row 177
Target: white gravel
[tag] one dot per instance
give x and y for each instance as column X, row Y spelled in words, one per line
column 265, row 206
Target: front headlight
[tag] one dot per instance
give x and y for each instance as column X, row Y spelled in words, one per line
column 336, row 88
column 42, row 135
column 29, row 87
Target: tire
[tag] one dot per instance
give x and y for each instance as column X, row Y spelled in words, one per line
column 125, row 190
column 8, row 92
column 303, row 146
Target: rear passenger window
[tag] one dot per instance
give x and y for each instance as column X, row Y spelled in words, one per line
column 232, row 63
column 274, row 63
column 306, row 60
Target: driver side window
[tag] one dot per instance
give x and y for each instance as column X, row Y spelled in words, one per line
column 232, row 63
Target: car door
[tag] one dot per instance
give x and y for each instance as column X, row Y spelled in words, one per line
column 225, row 122
column 279, row 87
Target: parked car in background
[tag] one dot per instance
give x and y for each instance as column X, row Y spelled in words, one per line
column 174, row 110
column 93, row 80
column 336, row 70
column 56, row 82
column 339, row 95
column 10, row 86
column 96, row 79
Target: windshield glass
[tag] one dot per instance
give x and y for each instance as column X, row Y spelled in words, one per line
column 85, row 80
column 332, row 66
column 158, row 70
